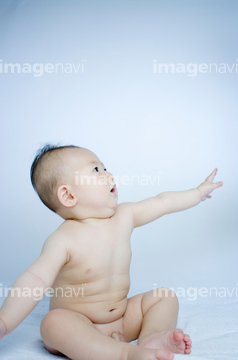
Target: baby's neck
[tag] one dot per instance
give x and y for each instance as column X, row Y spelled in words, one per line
column 92, row 221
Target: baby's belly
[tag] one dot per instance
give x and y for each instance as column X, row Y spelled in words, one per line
column 93, row 300
column 101, row 313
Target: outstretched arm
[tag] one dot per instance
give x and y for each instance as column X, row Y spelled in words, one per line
column 39, row 276
column 172, row 201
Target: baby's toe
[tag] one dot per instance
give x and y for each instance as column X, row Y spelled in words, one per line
column 187, row 351
column 188, row 346
column 186, row 338
column 178, row 335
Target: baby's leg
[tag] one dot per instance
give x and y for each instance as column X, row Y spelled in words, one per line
column 158, row 311
column 74, row 335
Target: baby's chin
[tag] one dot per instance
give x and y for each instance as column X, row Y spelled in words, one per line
column 104, row 213
column 111, row 211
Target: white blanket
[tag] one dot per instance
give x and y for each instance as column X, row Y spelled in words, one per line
column 212, row 324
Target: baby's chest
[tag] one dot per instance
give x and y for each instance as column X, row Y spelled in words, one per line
column 101, row 256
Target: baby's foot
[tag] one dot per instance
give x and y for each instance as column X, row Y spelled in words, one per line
column 172, row 340
column 140, row 353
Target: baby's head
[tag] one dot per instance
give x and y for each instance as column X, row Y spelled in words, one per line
column 73, row 182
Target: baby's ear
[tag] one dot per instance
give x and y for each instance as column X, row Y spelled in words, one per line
column 65, row 196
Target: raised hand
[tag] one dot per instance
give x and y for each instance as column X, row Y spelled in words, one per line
column 208, row 186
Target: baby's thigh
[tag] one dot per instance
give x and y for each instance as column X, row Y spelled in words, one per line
column 60, row 325
column 136, row 309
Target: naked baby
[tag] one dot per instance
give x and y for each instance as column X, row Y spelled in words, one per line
column 90, row 253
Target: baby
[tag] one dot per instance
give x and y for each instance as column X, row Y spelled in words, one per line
column 85, row 264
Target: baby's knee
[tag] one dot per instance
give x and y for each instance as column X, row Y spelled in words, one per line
column 50, row 326
column 165, row 293
column 51, row 323
column 157, row 295
column 57, row 321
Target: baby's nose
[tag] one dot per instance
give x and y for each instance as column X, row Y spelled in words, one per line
column 110, row 178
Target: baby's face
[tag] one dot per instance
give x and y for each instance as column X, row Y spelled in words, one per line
column 92, row 184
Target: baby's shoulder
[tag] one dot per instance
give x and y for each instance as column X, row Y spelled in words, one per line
column 124, row 212
column 60, row 237
column 124, row 207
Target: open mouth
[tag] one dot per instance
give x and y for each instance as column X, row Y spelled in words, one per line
column 113, row 190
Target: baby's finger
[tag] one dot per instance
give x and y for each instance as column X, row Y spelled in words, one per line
column 210, row 178
column 217, row 184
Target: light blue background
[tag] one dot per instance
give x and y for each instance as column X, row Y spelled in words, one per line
column 174, row 126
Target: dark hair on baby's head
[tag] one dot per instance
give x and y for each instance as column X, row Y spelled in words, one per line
column 47, row 171
column 40, row 153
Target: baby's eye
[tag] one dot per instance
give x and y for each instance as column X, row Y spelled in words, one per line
column 105, row 169
column 96, row 169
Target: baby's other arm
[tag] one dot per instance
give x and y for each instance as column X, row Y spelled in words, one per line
column 172, row 201
column 40, row 275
